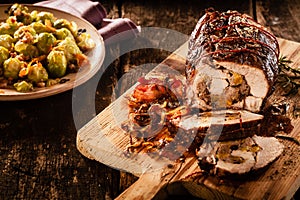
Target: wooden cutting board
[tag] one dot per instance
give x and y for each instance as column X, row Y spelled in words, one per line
column 103, row 140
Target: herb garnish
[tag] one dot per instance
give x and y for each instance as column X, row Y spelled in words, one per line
column 288, row 78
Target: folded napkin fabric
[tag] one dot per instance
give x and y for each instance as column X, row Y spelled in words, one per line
column 96, row 14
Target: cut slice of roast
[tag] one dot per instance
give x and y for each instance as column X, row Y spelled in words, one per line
column 242, row 156
column 221, row 124
column 232, row 62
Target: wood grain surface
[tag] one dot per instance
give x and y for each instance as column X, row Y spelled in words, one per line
column 39, row 158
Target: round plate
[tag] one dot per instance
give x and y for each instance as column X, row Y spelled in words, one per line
column 95, row 57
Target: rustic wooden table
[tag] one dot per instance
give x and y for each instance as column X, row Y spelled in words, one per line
column 39, row 158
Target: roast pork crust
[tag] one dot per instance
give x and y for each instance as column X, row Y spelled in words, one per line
column 233, row 41
column 215, row 25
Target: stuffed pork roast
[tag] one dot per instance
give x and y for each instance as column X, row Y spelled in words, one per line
column 231, row 65
column 232, row 62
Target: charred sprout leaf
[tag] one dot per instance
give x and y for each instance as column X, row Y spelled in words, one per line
column 11, row 67
column 80, row 31
column 45, row 42
column 57, row 64
column 23, row 86
column 51, row 82
column 6, row 41
column 4, row 55
column 37, row 73
column 63, row 80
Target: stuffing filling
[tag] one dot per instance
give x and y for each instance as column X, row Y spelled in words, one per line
column 222, row 89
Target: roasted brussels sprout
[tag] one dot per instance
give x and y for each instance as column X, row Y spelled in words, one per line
column 11, row 67
column 63, row 23
column 4, row 55
column 5, row 28
column 26, row 34
column 70, row 49
column 16, row 9
column 57, row 64
column 23, row 86
column 6, row 41
column 45, row 42
column 25, row 18
column 27, row 50
column 37, row 49
column 85, row 42
column 44, row 16
column 37, row 73
column 10, row 26
column 39, row 27
column 21, row 12
column 34, row 15
column 63, row 33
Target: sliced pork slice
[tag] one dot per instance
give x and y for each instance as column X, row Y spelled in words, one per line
column 232, row 62
column 222, row 124
column 239, row 157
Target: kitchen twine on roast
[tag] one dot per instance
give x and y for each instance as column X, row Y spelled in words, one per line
column 83, row 106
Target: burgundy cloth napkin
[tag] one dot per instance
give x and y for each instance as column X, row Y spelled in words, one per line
column 95, row 13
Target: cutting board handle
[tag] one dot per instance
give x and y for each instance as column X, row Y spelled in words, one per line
column 146, row 187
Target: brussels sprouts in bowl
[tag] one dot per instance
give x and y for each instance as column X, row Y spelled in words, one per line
column 49, row 47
